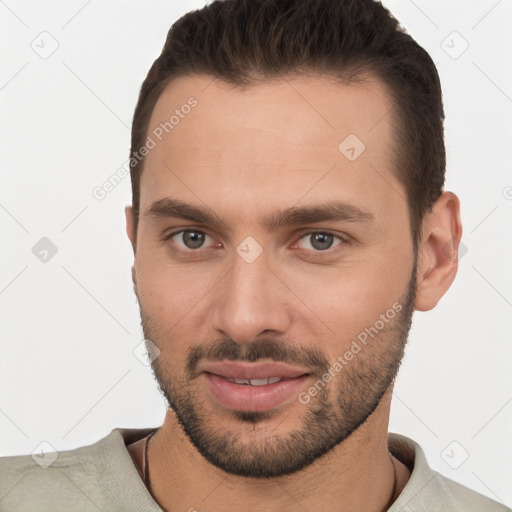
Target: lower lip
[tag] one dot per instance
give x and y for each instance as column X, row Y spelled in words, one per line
column 247, row 398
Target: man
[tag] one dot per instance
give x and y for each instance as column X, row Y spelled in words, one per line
column 288, row 216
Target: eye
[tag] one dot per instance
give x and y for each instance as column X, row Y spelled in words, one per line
column 319, row 240
column 192, row 239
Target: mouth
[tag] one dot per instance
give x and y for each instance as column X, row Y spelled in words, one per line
column 255, row 382
column 253, row 387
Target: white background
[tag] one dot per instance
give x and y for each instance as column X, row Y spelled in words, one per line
column 69, row 326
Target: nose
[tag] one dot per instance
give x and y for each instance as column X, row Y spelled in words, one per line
column 250, row 301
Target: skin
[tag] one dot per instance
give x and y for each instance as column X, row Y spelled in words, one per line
column 246, row 153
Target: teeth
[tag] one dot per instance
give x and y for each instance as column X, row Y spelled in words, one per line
column 259, row 382
column 256, row 382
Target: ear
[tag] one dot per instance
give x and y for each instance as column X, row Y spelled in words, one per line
column 130, row 224
column 438, row 251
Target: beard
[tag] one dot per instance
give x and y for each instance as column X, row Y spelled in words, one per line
column 331, row 416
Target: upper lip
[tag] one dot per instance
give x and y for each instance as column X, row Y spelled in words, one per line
column 263, row 370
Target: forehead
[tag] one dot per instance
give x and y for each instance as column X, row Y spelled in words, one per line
column 278, row 140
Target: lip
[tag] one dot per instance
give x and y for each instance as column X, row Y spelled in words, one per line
column 247, row 398
column 243, row 370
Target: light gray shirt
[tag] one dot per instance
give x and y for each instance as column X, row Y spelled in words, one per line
column 103, row 476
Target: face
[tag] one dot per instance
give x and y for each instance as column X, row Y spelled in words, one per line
column 271, row 246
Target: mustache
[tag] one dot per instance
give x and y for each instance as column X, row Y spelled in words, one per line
column 264, row 348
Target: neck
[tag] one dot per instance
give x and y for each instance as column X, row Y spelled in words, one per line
column 358, row 474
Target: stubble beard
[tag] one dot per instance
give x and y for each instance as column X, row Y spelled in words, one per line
column 330, row 417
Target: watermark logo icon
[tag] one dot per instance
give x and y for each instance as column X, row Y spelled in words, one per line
column 455, row 455
column 351, row 147
column 146, row 352
column 44, row 454
column 45, row 45
column 448, row 249
column 454, row 45
column 44, row 250
column 249, row 250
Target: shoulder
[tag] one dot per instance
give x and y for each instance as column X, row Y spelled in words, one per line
column 428, row 490
column 84, row 478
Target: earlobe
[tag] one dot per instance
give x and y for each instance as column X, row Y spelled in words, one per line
column 438, row 251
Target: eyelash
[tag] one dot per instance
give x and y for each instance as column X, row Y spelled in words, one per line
column 342, row 239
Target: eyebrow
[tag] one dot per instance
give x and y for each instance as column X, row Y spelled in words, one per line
column 330, row 211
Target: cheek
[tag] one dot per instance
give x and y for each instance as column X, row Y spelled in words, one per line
column 351, row 297
column 172, row 294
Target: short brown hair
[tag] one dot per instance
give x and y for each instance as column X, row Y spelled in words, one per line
column 244, row 42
